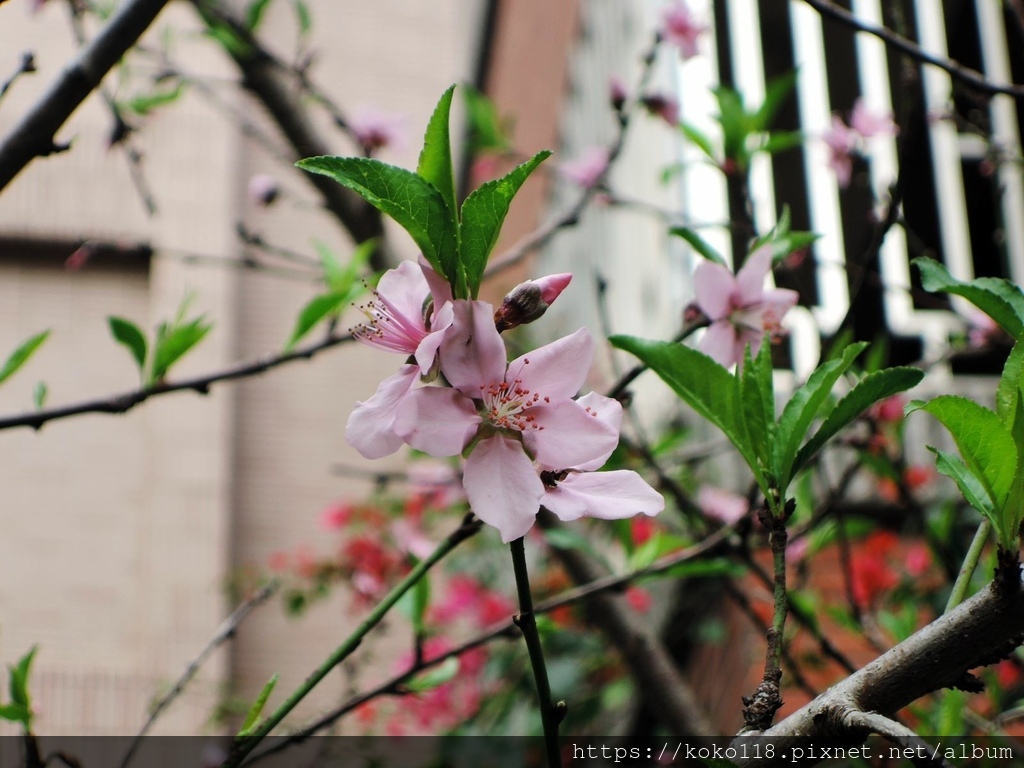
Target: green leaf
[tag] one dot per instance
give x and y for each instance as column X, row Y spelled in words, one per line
column 699, row 244
column 985, row 444
column 803, row 407
column 39, row 395
column 757, row 398
column 254, row 14
column 699, row 138
column 130, row 336
column 776, row 93
column 734, row 121
column 435, row 164
column 342, row 279
column 487, row 131
column 252, row 719
column 21, row 355
column 14, row 713
column 971, row 486
column 702, row 383
column 304, row 17
column 868, row 391
column 571, row 538
column 998, row 298
column 483, row 213
column 779, row 141
column 412, row 201
column 443, row 673
column 1010, row 384
column 146, row 103
column 173, row 341
column 656, row 546
column 319, row 308
column 19, row 678
column 414, row 603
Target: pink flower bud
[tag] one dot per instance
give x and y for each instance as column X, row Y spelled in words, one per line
column 528, row 301
column 263, row 189
column 617, row 92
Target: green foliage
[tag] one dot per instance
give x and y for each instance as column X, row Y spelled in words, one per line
column 173, row 340
column 455, row 243
column 253, row 717
column 39, row 395
column 989, row 474
column 414, row 603
column 1000, row 299
column 303, row 17
column 254, row 14
column 488, row 132
column 343, row 287
column 412, row 201
column 743, row 406
column 782, row 239
column 19, row 709
column 21, row 355
column 747, row 131
column 145, row 103
column 483, row 213
column 699, row 244
column 434, row 677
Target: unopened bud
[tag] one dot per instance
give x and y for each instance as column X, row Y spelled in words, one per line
column 528, row 301
column 263, row 189
column 617, row 93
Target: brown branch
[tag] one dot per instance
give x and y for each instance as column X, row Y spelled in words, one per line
column 27, row 66
column 118, row 404
column 969, row 77
column 34, row 135
column 897, row 733
column 938, row 656
column 272, row 86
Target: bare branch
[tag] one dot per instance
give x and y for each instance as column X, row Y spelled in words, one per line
column 34, row 135
column 27, row 65
column 265, row 79
column 118, row 404
column 979, row 631
column 969, row 77
column 225, row 632
column 897, row 733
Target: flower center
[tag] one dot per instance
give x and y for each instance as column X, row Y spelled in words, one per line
column 388, row 327
column 507, row 404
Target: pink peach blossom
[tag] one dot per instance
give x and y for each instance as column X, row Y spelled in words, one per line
column 724, row 506
column 841, row 141
column 587, row 169
column 680, row 28
column 503, row 412
column 375, row 129
column 741, row 311
column 870, row 124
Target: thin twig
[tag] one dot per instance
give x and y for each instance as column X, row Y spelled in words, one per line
column 505, row 629
column 34, row 135
column 921, row 752
column 118, row 404
column 969, row 77
column 226, row 631
column 541, row 236
column 27, row 65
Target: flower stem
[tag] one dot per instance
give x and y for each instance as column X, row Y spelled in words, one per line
column 963, row 578
column 243, row 747
column 550, row 714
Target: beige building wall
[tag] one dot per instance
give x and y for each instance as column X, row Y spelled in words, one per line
column 119, row 533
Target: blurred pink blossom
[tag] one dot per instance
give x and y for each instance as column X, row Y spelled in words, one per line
column 682, row 29
column 263, row 189
column 587, row 169
column 741, row 311
column 375, row 129
column 617, row 92
column 722, row 505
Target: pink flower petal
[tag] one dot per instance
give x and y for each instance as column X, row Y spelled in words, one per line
column 502, row 486
column 568, row 435
column 607, row 410
column 724, row 506
column 714, row 286
column 370, row 428
column 750, row 278
column 439, row 288
column 439, row 325
column 606, row 495
column 472, row 353
column 436, row 420
column 556, row 370
column 719, row 343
